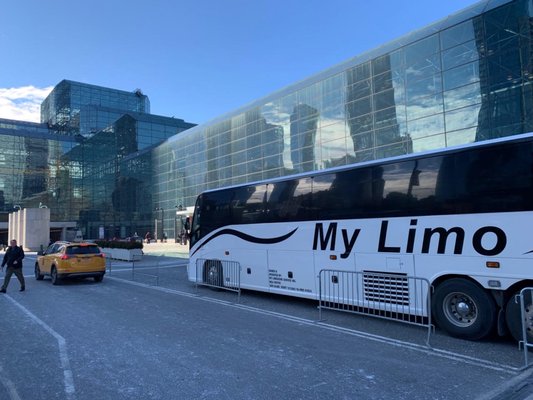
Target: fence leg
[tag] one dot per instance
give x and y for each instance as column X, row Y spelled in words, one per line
column 196, row 276
column 320, row 296
column 520, row 300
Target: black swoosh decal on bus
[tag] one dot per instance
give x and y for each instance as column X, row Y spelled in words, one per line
column 246, row 237
column 529, row 252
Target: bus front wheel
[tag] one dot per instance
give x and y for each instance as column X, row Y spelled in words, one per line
column 213, row 273
column 463, row 309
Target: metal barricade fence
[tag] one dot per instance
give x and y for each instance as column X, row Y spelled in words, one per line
column 526, row 318
column 153, row 276
column 222, row 274
column 396, row 297
column 108, row 264
column 134, row 271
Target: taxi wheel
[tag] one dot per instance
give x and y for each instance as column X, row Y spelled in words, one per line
column 55, row 278
column 99, row 278
column 38, row 274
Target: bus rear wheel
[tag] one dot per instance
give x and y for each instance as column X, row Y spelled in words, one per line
column 513, row 317
column 213, row 273
column 463, row 309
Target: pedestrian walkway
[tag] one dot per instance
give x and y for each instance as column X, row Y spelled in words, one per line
column 168, row 249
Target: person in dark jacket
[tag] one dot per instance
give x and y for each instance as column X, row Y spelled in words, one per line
column 13, row 259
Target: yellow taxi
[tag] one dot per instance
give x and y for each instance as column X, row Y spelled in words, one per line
column 69, row 259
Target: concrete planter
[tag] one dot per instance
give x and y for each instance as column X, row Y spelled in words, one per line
column 123, row 254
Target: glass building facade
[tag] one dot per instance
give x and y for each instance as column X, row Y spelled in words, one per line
column 30, row 163
column 75, row 108
column 89, row 161
column 466, row 78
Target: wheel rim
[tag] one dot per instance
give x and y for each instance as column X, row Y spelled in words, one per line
column 528, row 320
column 212, row 274
column 460, row 309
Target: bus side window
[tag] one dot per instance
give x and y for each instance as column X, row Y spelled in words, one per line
column 431, row 185
column 215, row 211
column 289, row 200
column 495, row 179
column 247, row 205
column 341, row 195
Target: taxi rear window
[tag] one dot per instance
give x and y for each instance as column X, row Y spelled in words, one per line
column 83, row 250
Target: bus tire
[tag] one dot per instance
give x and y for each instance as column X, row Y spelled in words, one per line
column 213, row 273
column 513, row 317
column 464, row 309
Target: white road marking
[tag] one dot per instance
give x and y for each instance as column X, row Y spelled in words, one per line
column 9, row 385
column 168, row 264
column 68, row 380
column 479, row 362
column 15, row 278
column 121, row 268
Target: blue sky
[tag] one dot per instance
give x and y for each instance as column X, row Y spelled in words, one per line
column 195, row 59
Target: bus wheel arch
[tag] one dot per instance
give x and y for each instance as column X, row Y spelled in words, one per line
column 213, row 273
column 463, row 308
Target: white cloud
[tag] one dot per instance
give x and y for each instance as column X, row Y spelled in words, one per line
column 22, row 103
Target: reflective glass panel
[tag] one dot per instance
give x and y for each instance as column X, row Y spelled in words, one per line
column 462, row 96
column 426, row 126
column 422, row 49
column 423, row 87
column 460, row 76
column 457, row 34
column 462, row 118
column 462, row 54
column 424, row 106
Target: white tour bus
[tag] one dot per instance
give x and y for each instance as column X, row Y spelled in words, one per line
column 458, row 217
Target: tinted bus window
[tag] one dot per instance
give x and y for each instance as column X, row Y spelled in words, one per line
column 215, row 211
column 431, row 185
column 342, row 195
column 289, row 200
column 495, row 179
column 393, row 185
column 248, row 204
